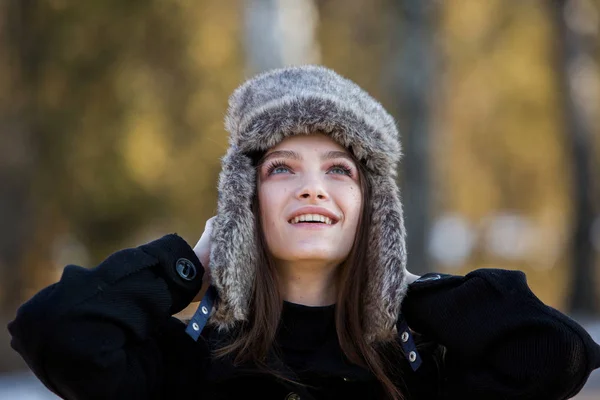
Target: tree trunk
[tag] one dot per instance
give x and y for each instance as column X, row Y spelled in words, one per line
column 17, row 157
column 571, row 52
column 279, row 33
column 412, row 76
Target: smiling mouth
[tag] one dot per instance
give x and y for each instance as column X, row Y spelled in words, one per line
column 313, row 219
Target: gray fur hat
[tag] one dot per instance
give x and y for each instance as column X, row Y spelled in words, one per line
column 304, row 100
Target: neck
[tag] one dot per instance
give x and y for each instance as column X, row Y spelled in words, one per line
column 307, row 283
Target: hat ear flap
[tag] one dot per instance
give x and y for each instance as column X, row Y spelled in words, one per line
column 386, row 284
column 234, row 250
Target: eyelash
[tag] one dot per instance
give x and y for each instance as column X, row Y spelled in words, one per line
column 347, row 170
column 276, row 164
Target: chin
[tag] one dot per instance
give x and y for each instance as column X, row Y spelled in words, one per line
column 307, row 254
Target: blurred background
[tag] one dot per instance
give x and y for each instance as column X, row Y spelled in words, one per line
column 111, row 130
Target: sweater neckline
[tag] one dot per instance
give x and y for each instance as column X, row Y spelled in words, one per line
column 305, row 308
column 305, row 327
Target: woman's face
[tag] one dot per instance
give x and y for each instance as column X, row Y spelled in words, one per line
column 303, row 181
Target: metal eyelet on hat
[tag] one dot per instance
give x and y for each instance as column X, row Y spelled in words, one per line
column 412, row 356
column 195, row 326
column 404, row 337
column 204, row 310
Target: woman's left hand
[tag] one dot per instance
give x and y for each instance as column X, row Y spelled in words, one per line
column 202, row 250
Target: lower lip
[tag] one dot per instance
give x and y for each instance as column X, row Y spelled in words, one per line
column 308, row 225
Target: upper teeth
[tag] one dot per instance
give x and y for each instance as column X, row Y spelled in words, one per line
column 311, row 217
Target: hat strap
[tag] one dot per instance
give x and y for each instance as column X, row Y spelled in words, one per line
column 203, row 312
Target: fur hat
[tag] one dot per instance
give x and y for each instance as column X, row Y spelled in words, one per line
column 304, row 100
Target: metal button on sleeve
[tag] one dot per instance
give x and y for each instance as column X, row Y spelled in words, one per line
column 185, row 269
column 412, row 356
column 404, row 337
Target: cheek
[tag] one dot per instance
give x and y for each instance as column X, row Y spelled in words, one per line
column 270, row 201
column 264, row 205
column 355, row 199
column 351, row 201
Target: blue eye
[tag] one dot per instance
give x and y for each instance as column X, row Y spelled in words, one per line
column 345, row 170
column 280, row 167
column 277, row 166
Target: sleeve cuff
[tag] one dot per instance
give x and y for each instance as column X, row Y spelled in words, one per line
column 179, row 266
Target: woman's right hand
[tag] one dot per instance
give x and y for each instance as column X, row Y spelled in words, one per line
column 202, row 250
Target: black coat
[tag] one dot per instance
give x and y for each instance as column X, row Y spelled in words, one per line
column 107, row 333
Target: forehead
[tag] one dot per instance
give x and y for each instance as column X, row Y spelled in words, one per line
column 318, row 142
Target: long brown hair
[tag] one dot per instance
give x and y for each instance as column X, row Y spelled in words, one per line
column 256, row 336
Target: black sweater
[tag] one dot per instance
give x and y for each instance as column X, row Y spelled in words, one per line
column 107, row 333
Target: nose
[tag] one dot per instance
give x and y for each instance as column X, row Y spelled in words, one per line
column 312, row 188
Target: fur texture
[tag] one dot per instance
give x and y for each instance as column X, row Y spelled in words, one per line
column 303, row 100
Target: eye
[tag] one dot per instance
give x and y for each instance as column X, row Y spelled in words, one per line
column 277, row 167
column 341, row 168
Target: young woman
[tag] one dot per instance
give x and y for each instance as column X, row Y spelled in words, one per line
column 309, row 297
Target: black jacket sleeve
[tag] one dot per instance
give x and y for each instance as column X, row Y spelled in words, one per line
column 501, row 341
column 107, row 332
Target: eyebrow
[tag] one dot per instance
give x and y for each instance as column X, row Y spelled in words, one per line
column 295, row 156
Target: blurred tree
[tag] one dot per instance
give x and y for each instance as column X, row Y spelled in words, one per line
column 499, row 150
column 575, row 63
column 412, row 78
column 279, row 33
column 17, row 155
column 118, row 111
column 262, row 35
column 355, row 41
